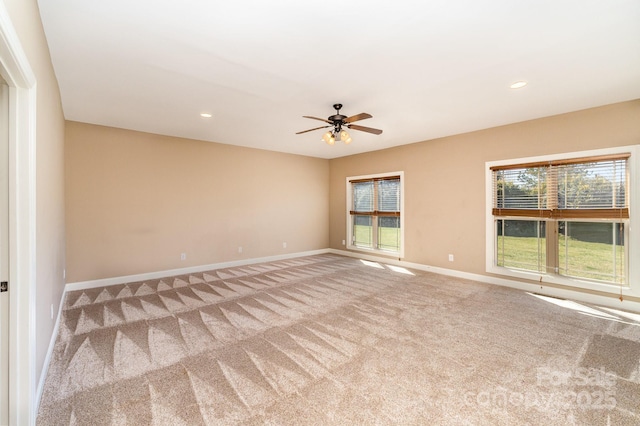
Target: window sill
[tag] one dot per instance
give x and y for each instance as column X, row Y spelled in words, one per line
column 377, row 252
column 577, row 283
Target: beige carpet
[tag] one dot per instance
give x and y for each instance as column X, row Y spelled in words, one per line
column 330, row 340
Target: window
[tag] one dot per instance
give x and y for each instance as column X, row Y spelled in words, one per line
column 564, row 218
column 374, row 213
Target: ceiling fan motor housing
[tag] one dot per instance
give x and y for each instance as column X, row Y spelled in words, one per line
column 337, row 119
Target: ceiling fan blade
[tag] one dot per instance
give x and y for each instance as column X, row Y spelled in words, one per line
column 316, row 118
column 365, row 129
column 311, row 130
column 357, row 117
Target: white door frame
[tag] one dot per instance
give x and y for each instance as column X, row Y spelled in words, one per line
column 4, row 252
column 19, row 76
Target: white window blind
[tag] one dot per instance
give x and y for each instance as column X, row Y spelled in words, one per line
column 582, row 188
column 523, row 188
column 363, row 196
column 599, row 185
column 389, row 195
column 377, row 196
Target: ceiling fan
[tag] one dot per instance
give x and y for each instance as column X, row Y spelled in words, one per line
column 338, row 121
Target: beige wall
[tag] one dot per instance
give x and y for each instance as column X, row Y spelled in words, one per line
column 136, row 201
column 451, row 172
column 50, row 232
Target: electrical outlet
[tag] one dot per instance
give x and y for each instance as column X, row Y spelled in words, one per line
column 240, row 249
column 183, row 256
column 450, row 258
column 343, row 242
column 284, row 245
column 52, row 311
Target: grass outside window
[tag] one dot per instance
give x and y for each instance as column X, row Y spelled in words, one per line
column 388, row 238
column 579, row 259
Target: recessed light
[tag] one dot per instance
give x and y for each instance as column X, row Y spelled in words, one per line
column 205, row 115
column 518, row 84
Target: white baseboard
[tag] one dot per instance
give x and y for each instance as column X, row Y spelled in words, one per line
column 47, row 358
column 595, row 299
column 82, row 285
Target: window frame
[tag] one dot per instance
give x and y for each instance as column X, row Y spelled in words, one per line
column 349, row 241
column 632, row 243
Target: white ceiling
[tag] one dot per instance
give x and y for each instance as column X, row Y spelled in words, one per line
column 423, row 69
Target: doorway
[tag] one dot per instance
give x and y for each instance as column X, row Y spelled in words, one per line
column 19, row 133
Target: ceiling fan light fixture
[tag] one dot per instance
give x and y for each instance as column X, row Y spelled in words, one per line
column 329, row 138
column 344, row 137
